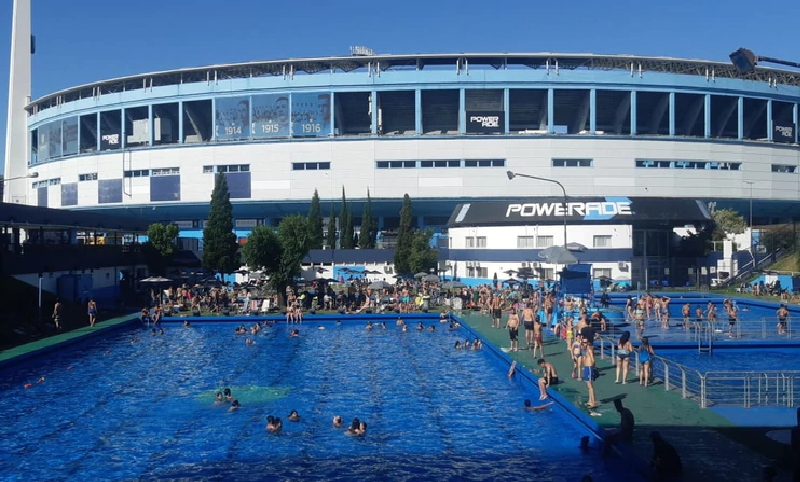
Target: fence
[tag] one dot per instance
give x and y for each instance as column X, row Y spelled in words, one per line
column 752, row 329
column 731, row 388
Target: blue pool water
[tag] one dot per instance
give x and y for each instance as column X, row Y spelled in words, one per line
column 750, row 359
column 145, row 411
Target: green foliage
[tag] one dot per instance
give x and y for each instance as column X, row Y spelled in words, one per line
column 348, row 232
column 220, row 251
column 279, row 254
column 332, row 228
column 695, row 245
column 405, row 238
column 422, row 257
column 160, row 246
column 368, row 226
column 727, row 222
column 315, row 225
column 345, row 236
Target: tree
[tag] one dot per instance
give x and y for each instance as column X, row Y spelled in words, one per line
column 344, row 239
column 220, row 251
column 422, row 257
column 280, row 255
column 160, row 246
column 348, row 231
column 332, row 228
column 315, row 224
column 727, row 222
column 405, row 236
column 367, row 238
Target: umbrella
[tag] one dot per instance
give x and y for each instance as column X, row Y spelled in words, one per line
column 420, row 275
column 156, row 279
column 576, row 247
column 511, row 281
column 510, row 272
column 558, row 255
column 431, row 278
column 379, row 285
column 449, row 285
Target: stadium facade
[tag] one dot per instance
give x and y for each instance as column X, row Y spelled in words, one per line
column 443, row 128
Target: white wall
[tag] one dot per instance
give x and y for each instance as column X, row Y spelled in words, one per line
column 499, row 268
column 506, row 237
column 353, row 166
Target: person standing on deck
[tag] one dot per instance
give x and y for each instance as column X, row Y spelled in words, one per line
column 528, row 316
column 57, row 314
column 513, row 329
column 587, row 361
column 497, row 310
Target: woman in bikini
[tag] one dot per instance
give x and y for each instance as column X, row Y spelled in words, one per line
column 91, row 309
column 624, row 349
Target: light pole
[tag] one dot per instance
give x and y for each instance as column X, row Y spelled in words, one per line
column 753, row 253
column 511, row 175
column 30, row 175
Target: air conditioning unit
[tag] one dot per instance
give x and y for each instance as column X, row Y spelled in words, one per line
column 623, row 266
column 525, row 264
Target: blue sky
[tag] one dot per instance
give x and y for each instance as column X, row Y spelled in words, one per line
column 87, row 40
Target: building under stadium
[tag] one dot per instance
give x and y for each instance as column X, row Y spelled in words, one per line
column 443, row 128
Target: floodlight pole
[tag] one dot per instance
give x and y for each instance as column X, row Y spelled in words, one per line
column 753, row 253
column 511, row 175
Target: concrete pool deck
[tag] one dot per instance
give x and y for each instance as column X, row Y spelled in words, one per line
column 695, row 432
column 22, row 352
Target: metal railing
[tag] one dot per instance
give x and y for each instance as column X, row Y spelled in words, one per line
column 765, row 328
column 722, row 388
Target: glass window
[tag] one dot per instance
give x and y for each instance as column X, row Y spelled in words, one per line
column 483, row 272
column 598, row 273
column 601, row 241
column 526, row 242
column 88, row 177
column 481, row 241
column 469, row 242
column 543, row 242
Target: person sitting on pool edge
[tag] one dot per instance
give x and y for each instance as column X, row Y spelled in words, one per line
column 548, row 379
column 234, row 405
column 338, row 421
column 294, row 416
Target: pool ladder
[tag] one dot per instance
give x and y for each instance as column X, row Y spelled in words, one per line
column 705, row 337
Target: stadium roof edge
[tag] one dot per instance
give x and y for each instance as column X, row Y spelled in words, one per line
column 347, row 63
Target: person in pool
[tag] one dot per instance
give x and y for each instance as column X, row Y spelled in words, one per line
column 294, row 416
column 338, row 421
column 420, row 327
column 227, row 393
column 294, row 333
column 274, row 424
column 219, row 400
column 458, row 345
column 234, row 406
column 354, row 427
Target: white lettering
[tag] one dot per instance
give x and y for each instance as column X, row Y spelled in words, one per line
column 785, row 131
column 485, row 121
column 599, row 209
column 112, row 139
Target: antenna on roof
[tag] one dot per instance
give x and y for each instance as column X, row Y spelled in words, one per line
column 361, row 51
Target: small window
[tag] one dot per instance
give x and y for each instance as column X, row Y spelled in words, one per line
column 572, row 162
column 545, row 273
column 601, row 242
column 208, row 169
column 298, row 166
column 92, row 176
column 784, row 168
column 601, row 273
column 382, row 165
column 470, row 163
column 440, row 163
column 324, row 166
column 482, row 272
column 526, row 242
column 499, row 163
column 469, row 242
column 409, row 164
column 543, row 242
column 480, row 242
column 425, row 163
column 396, row 164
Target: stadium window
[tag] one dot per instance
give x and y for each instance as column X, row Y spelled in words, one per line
column 526, row 242
column 166, row 171
column 601, row 273
column 226, row 168
column 543, row 242
column 440, row 163
column 482, row 272
column 425, row 163
column 572, row 162
column 784, row 168
column 381, row 165
column 601, row 241
column 324, row 166
column 469, row 242
column 480, row 242
column 208, row 169
column 92, row 176
column 498, row 163
column 137, row 173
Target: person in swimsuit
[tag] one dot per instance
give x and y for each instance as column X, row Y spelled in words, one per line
column 513, row 329
column 528, row 316
column 686, row 311
column 624, row 349
column 576, row 358
column 57, row 314
column 587, row 361
column 783, row 315
column 638, row 315
column 665, row 312
column 733, row 317
column 497, row 310
column 538, row 341
column 548, row 378
column 645, row 353
column 92, row 311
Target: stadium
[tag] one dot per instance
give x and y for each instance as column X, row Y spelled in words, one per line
column 444, row 128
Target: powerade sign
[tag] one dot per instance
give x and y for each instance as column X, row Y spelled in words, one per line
column 486, row 122
column 783, row 133
column 591, row 211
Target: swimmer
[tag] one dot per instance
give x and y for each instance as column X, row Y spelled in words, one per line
column 294, row 416
column 161, row 332
column 383, row 325
column 338, row 421
column 400, row 322
column 219, row 400
column 186, row 324
column 227, row 393
column 135, row 340
column 420, row 327
column 458, row 345
column 40, row 380
column 529, row 407
column 478, row 344
column 466, row 344
column 369, row 325
column 431, row 328
column 354, row 427
column 250, row 342
column 153, row 332
column 274, row 424
column 294, row 333
column 234, row 406
column 362, row 429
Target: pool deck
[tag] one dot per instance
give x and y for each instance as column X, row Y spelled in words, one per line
column 695, row 432
column 21, row 352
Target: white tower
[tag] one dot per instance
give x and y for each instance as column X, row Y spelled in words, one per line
column 19, row 95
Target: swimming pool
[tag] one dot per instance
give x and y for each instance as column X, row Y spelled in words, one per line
column 732, row 359
column 145, row 410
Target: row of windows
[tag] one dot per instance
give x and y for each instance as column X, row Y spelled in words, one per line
column 541, row 273
column 46, row 183
column 572, row 162
column 785, row 168
column 311, row 166
column 428, row 163
column 536, row 242
column 92, row 176
column 688, row 164
column 226, row 168
column 166, row 171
